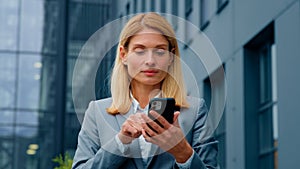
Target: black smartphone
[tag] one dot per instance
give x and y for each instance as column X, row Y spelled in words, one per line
column 163, row 106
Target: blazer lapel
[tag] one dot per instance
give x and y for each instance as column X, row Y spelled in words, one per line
column 153, row 152
column 135, row 151
column 166, row 160
column 122, row 118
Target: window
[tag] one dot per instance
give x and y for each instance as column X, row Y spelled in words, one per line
column 143, row 6
column 84, row 18
column 204, row 14
column 188, row 27
column 127, row 8
column 188, row 8
column 134, row 6
column 221, row 5
column 39, row 44
column 261, row 101
column 174, row 12
column 175, row 7
column 217, row 79
column 9, row 24
column 152, row 5
column 32, row 26
column 162, row 6
column 27, row 110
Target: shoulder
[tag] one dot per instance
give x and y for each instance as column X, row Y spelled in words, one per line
column 193, row 116
column 103, row 102
column 195, row 101
column 97, row 113
column 96, row 106
column 197, row 107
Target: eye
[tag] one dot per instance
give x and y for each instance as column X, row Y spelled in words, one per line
column 139, row 51
column 160, row 52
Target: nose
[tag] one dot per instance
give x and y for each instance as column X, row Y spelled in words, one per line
column 150, row 60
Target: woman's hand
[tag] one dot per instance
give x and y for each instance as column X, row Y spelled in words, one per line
column 169, row 137
column 131, row 128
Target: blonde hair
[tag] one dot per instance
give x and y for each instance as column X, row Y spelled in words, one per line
column 172, row 85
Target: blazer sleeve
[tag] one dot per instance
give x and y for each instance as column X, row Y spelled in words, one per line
column 89, row 152
column 206, row 148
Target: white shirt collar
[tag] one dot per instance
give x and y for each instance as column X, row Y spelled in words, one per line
column 136, row 104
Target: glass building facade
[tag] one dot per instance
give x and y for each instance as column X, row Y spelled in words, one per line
column 40, row 41
column 39, row 44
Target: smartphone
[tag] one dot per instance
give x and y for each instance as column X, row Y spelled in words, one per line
column 163, row 106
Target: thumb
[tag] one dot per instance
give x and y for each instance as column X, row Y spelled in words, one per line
column 175, row 119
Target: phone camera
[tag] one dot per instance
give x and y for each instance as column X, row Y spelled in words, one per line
column 156, row 105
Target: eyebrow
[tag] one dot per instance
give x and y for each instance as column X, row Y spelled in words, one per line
column 143, row 46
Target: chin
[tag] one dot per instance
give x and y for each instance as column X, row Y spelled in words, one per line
column 151, row 82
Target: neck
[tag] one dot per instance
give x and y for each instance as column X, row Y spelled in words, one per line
column 143, row 93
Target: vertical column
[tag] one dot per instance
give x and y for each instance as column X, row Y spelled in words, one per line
column 61, row 76
column 288, row 39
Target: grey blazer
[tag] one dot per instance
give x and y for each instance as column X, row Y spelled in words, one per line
column 97, row 147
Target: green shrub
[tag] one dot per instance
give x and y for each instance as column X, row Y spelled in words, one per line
column 64, row 163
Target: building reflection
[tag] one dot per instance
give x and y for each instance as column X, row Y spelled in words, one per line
column 39, row 43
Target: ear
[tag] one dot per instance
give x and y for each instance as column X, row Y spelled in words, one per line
column 123, row 55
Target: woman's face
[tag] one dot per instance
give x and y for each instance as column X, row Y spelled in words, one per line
column 147, row 58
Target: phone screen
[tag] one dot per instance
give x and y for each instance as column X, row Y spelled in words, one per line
column 163, row 106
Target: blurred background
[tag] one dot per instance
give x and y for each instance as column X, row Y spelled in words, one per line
column 258, row 42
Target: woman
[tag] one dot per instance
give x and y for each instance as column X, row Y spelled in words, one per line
column 117, row 133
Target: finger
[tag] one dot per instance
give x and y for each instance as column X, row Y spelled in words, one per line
column 135, row 120
column 146, row 119
column 135, row 124
column 175, row 119
column 160, row 119
column 149, row 138
column 146, row 136
column 131, row 131
column 149, row 131
column 152, row 125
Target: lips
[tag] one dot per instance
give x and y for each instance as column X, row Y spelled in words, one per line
column 150, row 72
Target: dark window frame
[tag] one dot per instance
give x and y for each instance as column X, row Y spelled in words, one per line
column 163, row 6
column 260, row 145
column 143, row 6
column 220, row 132
column 134, row 6
column 128, row 8
column 188, row 8
column 152, row 5
column 204, row 20
column 175, row 13
column 221, row 5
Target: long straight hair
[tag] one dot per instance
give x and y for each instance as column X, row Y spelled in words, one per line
column 173, row 84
